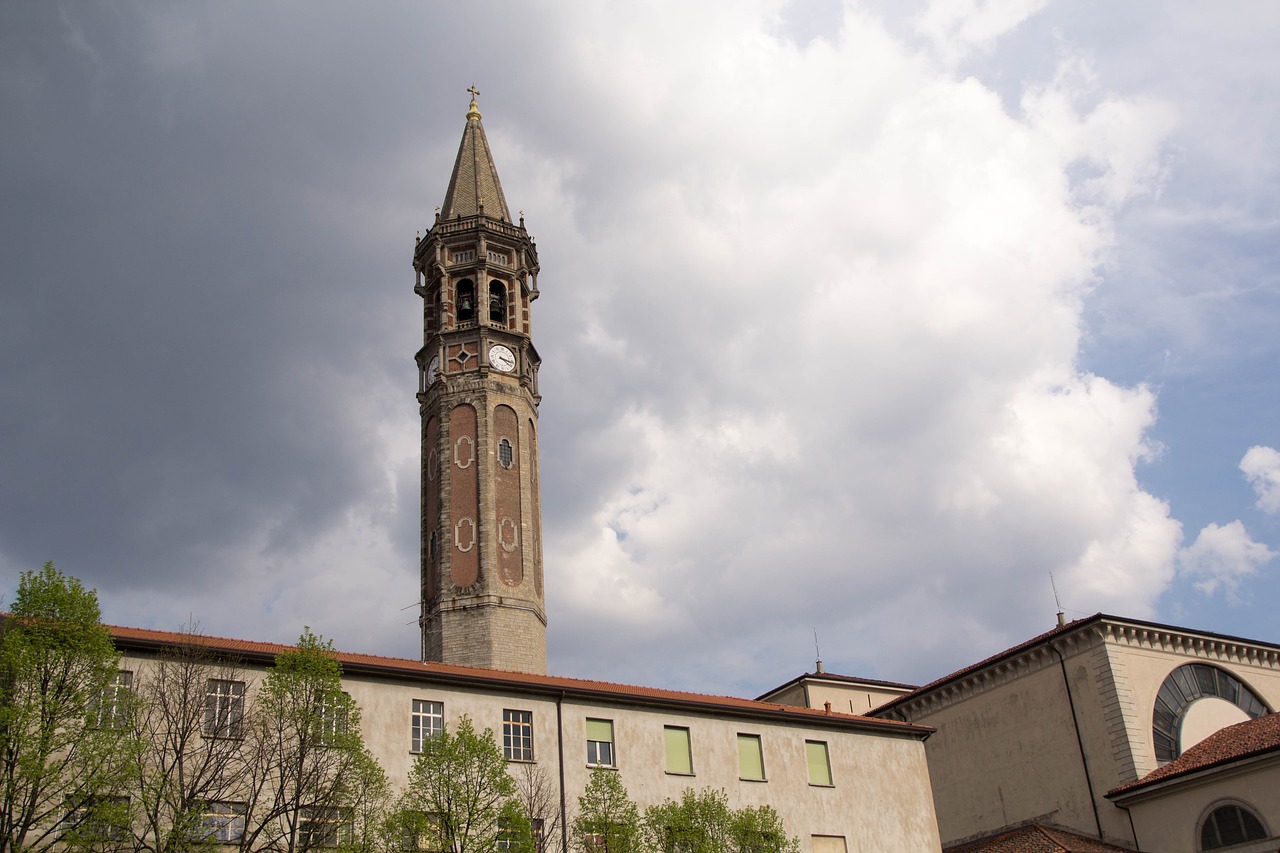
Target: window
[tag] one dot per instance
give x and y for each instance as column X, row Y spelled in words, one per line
column 224, row 708
column 750, row 758
column 505, row 455
column 679, row 754
column 324, row 827
column 600, row 743
column 99, row 819
column 111, row 710
column 1229, row 825
column 497, row 303
column 466, row 300
column 331, row 710
column 419, row 831
column 1184, row 686
column 427, row 720
column 222, row 822
column 815, row 752
column 828, row 844
column 517, row 735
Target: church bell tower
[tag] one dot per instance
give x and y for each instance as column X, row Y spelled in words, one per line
column 477, row 274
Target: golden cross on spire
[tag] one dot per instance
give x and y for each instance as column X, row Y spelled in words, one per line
column 475, row 93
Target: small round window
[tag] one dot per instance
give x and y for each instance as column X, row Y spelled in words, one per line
column 504, row 453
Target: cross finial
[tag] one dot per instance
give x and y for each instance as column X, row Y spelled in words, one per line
column 475, row 93
column 474, row 110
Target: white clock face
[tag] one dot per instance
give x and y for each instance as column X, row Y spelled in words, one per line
column 502, row 358
column 433, row 370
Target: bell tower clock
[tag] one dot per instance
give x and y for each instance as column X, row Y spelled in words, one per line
column 477, row 274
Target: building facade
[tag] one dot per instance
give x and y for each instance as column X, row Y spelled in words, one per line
column 1043, row 732
column 840, row 782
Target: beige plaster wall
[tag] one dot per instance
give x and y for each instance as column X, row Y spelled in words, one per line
column 1171, row 822
column 879, row 799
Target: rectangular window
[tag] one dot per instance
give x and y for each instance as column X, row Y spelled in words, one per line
column 828, row 844
column 98, row 819
column 679, row 752
column 420, row 831
column 324, row 827
column 815, row 752
column 222, row 822
column 600, row 743
column 427, row 720
column 111, row 710
column 750, row 758
column 517, row 735
column 331, row 713
column 224, row 708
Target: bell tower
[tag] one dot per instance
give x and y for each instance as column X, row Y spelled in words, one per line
column 477, row 274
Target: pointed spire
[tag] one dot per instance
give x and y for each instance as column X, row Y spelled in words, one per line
column 474, row 187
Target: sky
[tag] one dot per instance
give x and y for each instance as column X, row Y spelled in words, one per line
column 893, row 325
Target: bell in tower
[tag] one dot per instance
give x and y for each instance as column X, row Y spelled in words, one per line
column 477, row 274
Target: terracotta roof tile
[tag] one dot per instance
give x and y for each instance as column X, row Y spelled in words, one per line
column 1243, row 740
column 504, row 680
column 1035, row 839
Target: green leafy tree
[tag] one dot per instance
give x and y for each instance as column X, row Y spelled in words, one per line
column 179, row 771
column 607, row 817
column 760, row 830
column 62, row 750
column 702, row 822
column 460, row 798
column 307, row 771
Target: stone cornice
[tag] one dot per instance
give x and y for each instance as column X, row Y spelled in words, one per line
column 1000, row 671
column 1072, row 639
column 1192, row 644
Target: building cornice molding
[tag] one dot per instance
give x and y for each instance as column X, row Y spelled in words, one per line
column 1190, row 643
column 999, row 672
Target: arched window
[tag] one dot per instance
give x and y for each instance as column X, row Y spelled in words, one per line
column 1228, row 825
column 466, row 300
column 497, row 303
column 505, row 455
column 1185, row 685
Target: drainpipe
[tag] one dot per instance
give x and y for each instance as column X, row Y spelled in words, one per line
column 564, row 828
column 1075, row 722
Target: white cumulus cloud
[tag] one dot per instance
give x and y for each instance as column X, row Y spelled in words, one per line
column 1261, row 467
column 1222, row 559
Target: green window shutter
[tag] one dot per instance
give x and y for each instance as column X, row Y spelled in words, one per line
column 819, row 764
column 750, row 757
column 601, row 730
column 679, row 758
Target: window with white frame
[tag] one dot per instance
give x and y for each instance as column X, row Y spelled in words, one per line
column 111, row 709
column 224, row 708
column 320, row 827
column 426, row 720
column 517, row 735
column 331, row 710
column 222, row 822
column 600, row 743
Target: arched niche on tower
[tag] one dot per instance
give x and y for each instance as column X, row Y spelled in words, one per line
column 431, row 506
column 464, row 498
column 508, row 520
column 535, row 543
